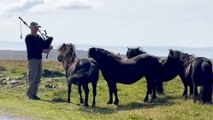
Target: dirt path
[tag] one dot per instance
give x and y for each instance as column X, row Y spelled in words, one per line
column 9, row 117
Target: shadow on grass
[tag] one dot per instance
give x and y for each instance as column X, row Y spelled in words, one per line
column 100, row 110
column 58, row 100
column 162, row 101
column 54, row 100
column 165, row 101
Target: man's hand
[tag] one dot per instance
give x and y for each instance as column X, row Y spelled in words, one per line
column 46, row 51
column 51, row 47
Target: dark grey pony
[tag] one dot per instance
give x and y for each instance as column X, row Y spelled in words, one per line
column 195, row 70
column 79, row 71
column 165, row 74
column 116, row 69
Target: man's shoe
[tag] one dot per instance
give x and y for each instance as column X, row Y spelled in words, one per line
column 33, row 97
column 29, row 97
column 36, row 98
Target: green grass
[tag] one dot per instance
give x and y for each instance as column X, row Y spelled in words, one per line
column 170, row 106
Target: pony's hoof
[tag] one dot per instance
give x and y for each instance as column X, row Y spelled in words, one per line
column 116, row 102
column 110, row 102
column 207, row 102
column 86, row 105
column 145, row 99
column 93, row 106
column 161, row 93
column 154, row 98
column 81, row 101
column 185, row 97
column 68, row 101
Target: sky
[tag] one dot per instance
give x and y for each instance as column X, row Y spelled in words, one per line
column 186, row 23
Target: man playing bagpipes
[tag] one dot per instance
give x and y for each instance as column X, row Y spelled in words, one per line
column 36, row 45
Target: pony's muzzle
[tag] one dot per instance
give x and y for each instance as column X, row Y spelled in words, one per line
column 60, row 58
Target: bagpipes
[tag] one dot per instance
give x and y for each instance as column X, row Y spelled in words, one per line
column 47, row 39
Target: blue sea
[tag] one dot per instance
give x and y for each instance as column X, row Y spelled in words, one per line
column 161, row 51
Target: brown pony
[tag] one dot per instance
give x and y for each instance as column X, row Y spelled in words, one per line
column 78, row 71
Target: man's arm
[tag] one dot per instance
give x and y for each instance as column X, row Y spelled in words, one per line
column 47, row 43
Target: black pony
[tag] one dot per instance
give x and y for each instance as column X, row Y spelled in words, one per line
column 79, row 71
column 194, row 71
column 165, row 74
column 116, row 69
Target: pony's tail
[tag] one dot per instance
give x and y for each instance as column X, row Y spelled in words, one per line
column 207, row 86
column 207, row 93
column 159, row 82
column 159, row 86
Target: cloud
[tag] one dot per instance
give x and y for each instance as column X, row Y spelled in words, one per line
column 20, row 6
column 55, row 5
column 42, row 6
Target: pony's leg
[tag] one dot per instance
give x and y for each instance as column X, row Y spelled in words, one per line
column 94, row 85
column 86, row 90
column 149, row 89
column 114, row 87
column 201, row 93
column 153, row 91
column 195, row 93
column 191, row 89
column 80, row 93
column 110, row 93
column 69, row 91
column 185, row 90
column 146, row 97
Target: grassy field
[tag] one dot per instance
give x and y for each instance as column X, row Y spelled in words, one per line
column 53, row 106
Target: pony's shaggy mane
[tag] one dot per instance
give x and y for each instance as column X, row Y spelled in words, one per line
column 184, row 57
column 107, row 54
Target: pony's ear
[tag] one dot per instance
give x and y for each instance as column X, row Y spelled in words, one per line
column 64, row 45
column 128, row 48
column 170, row 52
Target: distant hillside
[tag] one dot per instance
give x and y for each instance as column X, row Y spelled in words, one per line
column 22, row 55
column 162, row 51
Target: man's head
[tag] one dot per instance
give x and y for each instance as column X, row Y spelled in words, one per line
column 34, row 27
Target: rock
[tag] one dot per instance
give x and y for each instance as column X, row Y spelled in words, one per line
column 10, row 81
column 2, row 68
column 4, row 82
column 2, row 75
column 13, row 82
